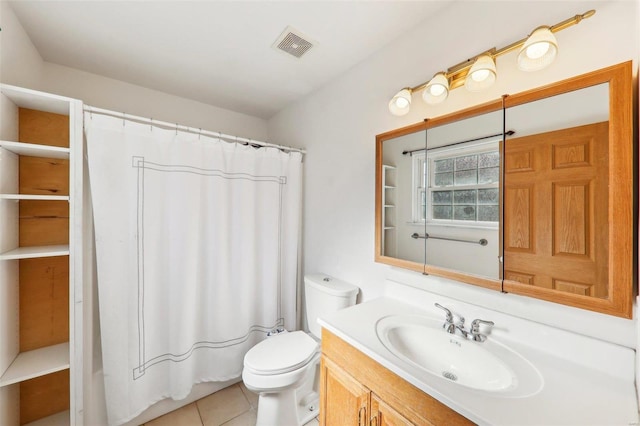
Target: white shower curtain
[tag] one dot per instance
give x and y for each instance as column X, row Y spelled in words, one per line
column 197, row 248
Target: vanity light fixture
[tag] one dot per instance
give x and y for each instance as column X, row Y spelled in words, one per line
column 537, row 51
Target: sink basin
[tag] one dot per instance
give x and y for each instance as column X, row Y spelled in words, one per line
column 488, row 366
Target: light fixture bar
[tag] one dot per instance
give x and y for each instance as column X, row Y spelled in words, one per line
column 457, row 73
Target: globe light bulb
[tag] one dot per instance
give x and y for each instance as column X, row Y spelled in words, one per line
column 437, row 89
column 537, row 50
column 402, row 102
column 480, row 75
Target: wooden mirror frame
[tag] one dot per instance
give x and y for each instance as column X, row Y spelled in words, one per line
column 622, row 230
column 621, row 187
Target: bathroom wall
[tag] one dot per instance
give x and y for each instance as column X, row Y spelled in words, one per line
column 20, row 62
column 338, row 123
column 22, row 65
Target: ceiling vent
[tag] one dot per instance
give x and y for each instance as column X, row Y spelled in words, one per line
column 293, row 42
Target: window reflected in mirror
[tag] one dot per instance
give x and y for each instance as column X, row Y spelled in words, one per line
column 462, row 220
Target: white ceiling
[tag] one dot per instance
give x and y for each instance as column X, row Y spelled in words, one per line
column 217, row 52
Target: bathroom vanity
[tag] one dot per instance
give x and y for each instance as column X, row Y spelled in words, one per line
column 525, row 373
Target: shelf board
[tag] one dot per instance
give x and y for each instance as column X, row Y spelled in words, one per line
column 35, row 150
column 389, row 205
column 58, row 419
column 36, row 363
column 386, row 228
column 34, row 197
column 389, row 187
column 35, row 251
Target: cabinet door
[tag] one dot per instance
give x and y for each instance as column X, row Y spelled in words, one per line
column 383, row 414
column 343, row 400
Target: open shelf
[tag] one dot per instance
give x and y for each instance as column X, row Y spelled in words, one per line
column 58, row 419
column 34, row 197
column 35, row 363
column 35, row 150
column 35, row 251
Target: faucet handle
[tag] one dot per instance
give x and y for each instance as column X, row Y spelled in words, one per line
column 447, row 312
column 475, row 329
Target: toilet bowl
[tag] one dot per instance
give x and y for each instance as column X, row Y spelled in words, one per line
column 284, row 369
column 278, row 369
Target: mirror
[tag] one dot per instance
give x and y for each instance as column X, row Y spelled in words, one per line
column 435, row 213
column 568, row 200
column 395, row 207
column 565, row 199
column 399, row 207
column 462, row 212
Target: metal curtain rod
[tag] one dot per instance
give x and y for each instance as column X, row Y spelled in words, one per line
column 482, row 241
column 509, row 133
column 187, row 129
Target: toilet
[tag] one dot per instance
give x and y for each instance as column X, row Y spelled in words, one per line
column 284, row 369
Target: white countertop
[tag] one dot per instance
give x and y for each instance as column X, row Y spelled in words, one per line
column 586, row 381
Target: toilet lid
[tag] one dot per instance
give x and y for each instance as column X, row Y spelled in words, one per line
column 282, row 353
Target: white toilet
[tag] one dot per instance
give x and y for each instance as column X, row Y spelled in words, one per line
column 284, row 369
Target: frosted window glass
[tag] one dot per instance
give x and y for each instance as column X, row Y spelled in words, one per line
column 464, row 213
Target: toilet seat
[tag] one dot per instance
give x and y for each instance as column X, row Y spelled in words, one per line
column 281, row 354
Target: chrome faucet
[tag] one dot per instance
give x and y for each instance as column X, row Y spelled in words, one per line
column 476, row 336
column 450, row 326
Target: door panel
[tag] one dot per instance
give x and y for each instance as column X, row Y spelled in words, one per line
column 556, row 207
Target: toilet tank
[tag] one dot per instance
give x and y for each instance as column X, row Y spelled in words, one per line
column 323, row 295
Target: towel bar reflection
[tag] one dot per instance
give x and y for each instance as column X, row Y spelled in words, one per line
column 482, row 241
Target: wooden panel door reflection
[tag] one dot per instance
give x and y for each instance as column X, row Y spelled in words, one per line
column 555, row 210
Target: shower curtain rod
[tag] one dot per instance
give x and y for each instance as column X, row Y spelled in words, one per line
column 194, row 130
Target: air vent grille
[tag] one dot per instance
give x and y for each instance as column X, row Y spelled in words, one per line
column 293, row 43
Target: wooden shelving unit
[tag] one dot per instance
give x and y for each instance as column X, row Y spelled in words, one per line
column 40, row 321
column 388, row 214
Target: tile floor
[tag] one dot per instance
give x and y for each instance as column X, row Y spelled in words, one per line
column 232, row 406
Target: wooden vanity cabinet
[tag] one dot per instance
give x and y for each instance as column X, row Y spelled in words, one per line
column 356, row 390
